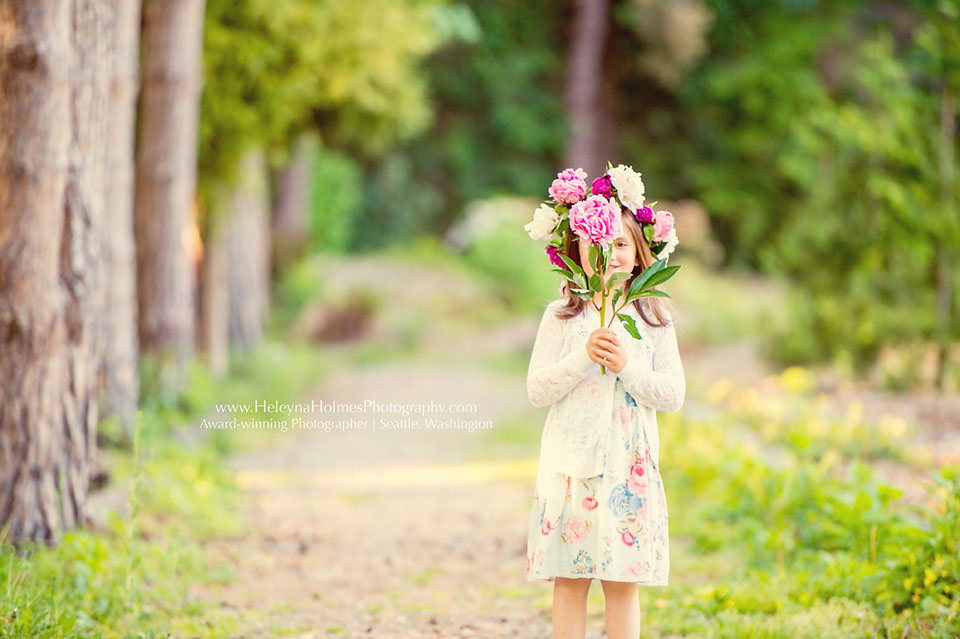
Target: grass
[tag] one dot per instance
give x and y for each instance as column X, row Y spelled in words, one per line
column 134, row 578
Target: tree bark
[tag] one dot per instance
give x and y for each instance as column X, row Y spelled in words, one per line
column 120, row 377
column 166, row 181
column 53, row 57
column 290, row 227
column 214, row 308
column 247, row 229
column 585, row 69
column 948, row 133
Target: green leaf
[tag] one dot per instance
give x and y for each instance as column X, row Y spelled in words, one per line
column 593, row 255
column 630, row 324
column 650, row 292
column 640, row 282
column 618, row 277
column 566, row 274
column 616, row 296
column 578, row 276
column 595, row 283
column 662, row 276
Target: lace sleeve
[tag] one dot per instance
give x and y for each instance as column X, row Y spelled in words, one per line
column 663, row 385
column 550, row 377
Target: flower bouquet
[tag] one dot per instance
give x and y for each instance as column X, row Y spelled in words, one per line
column 593, row 213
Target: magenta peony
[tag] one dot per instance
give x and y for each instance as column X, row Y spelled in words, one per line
column 570, row 186
column 597, row 219
column 662, row 224
column 554, row 254
column 644, row 215
column 603, row 186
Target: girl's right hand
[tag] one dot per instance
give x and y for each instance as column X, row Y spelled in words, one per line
column 600, row 340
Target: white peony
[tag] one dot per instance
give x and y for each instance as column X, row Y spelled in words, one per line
column 629, row 186
column 545, row 220
column 672, row 242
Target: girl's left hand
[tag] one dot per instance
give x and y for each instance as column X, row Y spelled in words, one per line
column 608, row 346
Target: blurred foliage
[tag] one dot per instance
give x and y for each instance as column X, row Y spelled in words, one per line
column 806, row 531
column 499, row 125
column 274, row 69
column 818, row 127
column 336, row 201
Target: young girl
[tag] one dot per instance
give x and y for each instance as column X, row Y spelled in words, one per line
column 599, row 510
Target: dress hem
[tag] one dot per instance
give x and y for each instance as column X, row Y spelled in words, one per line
column 582, row 576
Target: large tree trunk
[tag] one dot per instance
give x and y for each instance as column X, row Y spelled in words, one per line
column 290, row 204
column 53, row 90
column 120, row 375
column 585, row 70
column 247, row 227
column 166, row 181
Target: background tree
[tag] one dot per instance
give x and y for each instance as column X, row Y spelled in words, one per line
column 121, row 352
column 166, row 181
column 274, row 72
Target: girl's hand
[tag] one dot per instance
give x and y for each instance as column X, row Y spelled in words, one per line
column 603, row 343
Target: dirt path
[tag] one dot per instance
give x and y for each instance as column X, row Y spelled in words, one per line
column 388, row 533
column 403, row 533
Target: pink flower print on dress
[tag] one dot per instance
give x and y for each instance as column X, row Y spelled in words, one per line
column 545, row 528
column 627, row 538
column 640, row 569
column 623, row 416
column 590, row 503
column 575, row 530
column 637, row 482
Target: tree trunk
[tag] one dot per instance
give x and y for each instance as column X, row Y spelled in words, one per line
column 290, row 205
column 53, row 61
column 948, row 133
column 214, row 311
column 585, row 69
column 246, row 223
column 166, row 181
column 120, row 379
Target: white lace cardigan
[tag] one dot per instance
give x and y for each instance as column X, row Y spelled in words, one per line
column 561, row 375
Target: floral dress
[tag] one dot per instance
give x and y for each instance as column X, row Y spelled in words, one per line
column 612, row 526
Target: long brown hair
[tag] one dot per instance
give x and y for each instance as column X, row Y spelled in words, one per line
column 659, row 307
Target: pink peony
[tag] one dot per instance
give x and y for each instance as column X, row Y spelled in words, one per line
column 603, row 186
column 590, row 503
column 575, row 530
column 662, row 224
column 597, row 219
column 554, row 254
column 570, row 186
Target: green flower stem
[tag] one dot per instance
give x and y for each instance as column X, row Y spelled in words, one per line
column 603, row 300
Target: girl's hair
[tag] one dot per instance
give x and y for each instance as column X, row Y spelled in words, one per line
column 657, row 306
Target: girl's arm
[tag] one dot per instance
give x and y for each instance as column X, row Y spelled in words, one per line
column 663, row 385
column 549, row 377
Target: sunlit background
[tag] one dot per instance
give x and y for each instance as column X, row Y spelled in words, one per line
column 208, row 204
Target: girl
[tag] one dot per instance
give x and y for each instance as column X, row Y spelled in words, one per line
column 599, row 510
